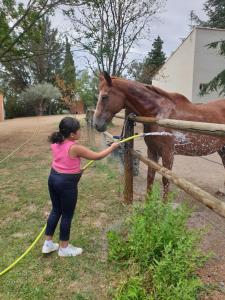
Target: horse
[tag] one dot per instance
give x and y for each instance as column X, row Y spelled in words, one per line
column 145, row 100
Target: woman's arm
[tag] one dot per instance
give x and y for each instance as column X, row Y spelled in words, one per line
column 79, row 150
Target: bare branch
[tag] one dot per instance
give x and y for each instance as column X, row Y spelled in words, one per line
column 110, row 29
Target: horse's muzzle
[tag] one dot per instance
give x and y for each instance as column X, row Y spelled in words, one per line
column 100, row 128
column 99, row 124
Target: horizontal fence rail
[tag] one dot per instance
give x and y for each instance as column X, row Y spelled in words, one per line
column 191, row 189
column 190, row 126
column 205, row 128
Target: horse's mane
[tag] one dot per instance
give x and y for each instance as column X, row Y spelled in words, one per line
column 174, row 97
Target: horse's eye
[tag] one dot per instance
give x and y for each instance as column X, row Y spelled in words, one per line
column 105, row 97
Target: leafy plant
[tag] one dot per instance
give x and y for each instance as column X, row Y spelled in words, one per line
column 157, row 240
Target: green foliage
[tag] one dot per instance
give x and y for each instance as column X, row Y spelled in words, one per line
column 144, row 71
column 37, row 98
column 39, row 58
column 42, row 52
column 217, row 84
column 157, row 240
column 132, row 290
column 215, row 10
column 69, row 70
column 156, row 56
column 118, row 250
column 171, row 275
column 86, row 88
column 15, row 108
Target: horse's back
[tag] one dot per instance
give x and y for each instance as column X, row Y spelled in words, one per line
column 213, row 102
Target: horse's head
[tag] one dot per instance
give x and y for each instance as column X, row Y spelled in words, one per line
column 110, row 102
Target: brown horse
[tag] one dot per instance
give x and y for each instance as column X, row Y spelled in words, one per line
column 147, row 100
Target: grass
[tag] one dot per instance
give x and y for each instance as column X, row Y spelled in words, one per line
column 136, row 264
column 24, row 203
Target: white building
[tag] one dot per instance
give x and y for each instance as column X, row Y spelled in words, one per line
column 192, row 64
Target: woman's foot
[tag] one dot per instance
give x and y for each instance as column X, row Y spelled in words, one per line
column 49, row 247
column 70, row 251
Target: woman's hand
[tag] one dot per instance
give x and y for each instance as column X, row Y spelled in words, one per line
column 115, row 145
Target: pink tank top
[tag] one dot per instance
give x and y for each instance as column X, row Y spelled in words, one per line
column 61, row 161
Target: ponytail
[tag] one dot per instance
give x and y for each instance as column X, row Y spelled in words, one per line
column 56, row 137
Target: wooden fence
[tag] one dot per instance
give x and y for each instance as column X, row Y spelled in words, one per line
column 198, row 127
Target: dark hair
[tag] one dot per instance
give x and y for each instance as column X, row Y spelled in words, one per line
column 67, row 126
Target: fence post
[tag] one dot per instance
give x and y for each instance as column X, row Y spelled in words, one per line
column 128, row 161
column 1, row 107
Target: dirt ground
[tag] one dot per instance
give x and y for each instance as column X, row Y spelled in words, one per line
column 205, row 174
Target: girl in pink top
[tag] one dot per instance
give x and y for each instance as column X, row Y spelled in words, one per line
column 62, row 183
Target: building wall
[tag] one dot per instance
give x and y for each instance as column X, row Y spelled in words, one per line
column 176, row 75
column 77, row 107
column 208, row 62
column 191, row 64
column 80, row 107
column 1, row 107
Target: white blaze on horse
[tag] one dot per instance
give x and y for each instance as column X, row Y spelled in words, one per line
column 116, row 94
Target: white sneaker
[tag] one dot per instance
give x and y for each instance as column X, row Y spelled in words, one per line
column 49, row 247
column 70, row 251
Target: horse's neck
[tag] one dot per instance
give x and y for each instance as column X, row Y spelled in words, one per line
column 145, row 102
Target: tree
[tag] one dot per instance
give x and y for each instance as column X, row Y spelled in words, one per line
column 23, row 17
column 44, row 57
column 217, row 84
column 46, row 52
column 108, row 29
column 69, row 70
column 39, row 96
column 44, row 60
column 87, row 89
column 67, row 80
column 23, row 57
column 145, row 71
column 215, row 10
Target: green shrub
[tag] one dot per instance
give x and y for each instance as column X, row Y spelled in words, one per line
column 132, row 290
column 157, row 239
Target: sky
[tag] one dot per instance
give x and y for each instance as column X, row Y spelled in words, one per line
column 172, row 25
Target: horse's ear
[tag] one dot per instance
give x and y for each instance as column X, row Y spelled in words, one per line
column 101, row 77
column 107, row 78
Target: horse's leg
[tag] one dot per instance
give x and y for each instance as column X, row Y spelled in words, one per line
column 221, row 152
column 167, row 162
column 151, row 172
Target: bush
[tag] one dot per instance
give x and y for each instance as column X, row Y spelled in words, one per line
column 157, row 239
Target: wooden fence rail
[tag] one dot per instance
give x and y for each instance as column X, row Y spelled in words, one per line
column 190, row 126
column 213, row 129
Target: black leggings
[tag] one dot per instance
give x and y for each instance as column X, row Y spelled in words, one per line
column 63, row 193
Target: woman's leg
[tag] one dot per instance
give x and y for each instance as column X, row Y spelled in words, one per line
column 68, row 204
column 56, row 208
column 68, row 208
